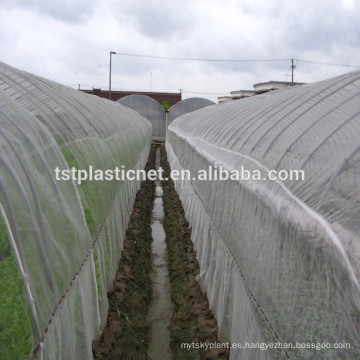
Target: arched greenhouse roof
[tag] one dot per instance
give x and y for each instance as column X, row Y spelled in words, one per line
column 314, row 127
column 187, row 105
column 60, row 237
column 150, row 109
column 284, row 250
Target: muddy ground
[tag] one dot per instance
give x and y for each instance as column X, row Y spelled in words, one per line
column 127, row 334
column 192, row 320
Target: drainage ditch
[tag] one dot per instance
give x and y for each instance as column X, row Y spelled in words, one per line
column 149, row 318
column 161, row 308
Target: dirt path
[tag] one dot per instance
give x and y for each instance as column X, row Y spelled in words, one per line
column 192, row 320
column 127, row 334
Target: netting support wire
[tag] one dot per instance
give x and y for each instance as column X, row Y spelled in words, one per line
column 277, row 107
column 322, row 90
column 43, row 250
column 38, row 346
column 307, row 110
column 96, row 290
column 280, row 105
column 335, row 174
column 317, row 121
column 341, row 125
column 23, row 273
column 306, row 208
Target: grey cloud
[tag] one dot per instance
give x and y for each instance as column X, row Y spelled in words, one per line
column 289, row 28
column 63, row 10
column 157, row 19
column 320, row 26
column 314, row 30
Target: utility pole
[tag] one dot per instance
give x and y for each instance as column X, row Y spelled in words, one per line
column 111, row 53
column 292, row 71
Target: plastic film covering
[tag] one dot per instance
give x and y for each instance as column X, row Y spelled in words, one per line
column 150, row 109
column 279, row 259
column 65, row 237
column 186, row 106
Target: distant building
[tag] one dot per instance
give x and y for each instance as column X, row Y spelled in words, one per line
column 171, row 98
column 262, row 87
column 222, row 99
column 259, row 88
column 241, row 94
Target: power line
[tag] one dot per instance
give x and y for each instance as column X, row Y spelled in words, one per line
column 234, row 60
column 327, row 63
column 199, row 59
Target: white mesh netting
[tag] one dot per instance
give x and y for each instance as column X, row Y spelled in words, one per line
column 66, row 239
column 279, row 259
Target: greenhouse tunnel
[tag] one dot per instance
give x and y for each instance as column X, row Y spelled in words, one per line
column 155, row 113
column 279, row 259
column 60, row 240
column 151, row 110
column 187, row 105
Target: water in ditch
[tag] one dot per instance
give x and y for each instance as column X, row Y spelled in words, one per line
column 161, row 308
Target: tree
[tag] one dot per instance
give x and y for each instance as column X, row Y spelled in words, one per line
column 165, row 105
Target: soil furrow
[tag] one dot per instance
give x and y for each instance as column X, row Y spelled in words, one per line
column 128, row 332
column 192, row 321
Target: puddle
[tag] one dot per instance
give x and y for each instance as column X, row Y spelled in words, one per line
column 161, row 308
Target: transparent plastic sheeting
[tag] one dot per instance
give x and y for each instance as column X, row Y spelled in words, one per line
column 186, row 106
column 66, row 238
column 279, row 259
column 150, row 109
column 155, row 113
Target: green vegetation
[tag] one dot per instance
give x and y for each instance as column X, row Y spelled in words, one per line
column 73, row 163
column 15, row 327
column 4, row 241
column 165, row 105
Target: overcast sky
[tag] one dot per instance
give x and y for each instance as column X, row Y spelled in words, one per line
column 69, row 41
